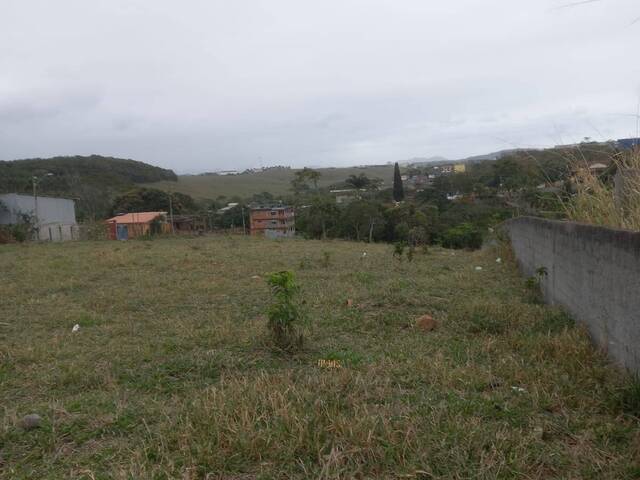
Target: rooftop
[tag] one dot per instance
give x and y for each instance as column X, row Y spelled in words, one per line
column 256, row 206
column 138, row 217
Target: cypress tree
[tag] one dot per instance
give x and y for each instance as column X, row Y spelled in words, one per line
column 398, row 191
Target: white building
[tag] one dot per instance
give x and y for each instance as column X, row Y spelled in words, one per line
column 54, row 219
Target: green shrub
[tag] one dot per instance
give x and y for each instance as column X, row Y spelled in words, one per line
column 283, row 313
column 464, row 235
column 20, row 232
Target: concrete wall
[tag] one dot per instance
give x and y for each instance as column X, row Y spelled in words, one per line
column 593, row 272
column 56, row 216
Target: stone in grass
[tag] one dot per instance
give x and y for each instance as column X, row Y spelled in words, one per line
column 426, row 323
column 31, row 421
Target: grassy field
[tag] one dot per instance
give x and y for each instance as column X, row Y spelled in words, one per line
column 274, row 181
column 171, row 374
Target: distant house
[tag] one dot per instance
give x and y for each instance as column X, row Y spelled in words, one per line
column 459, row 168
column 53, row 219
column 230, row 206
column 346, row 195
column 417, row 181
column 272, row 221
column 132, row 225
column 628, row 143
column 598, row 167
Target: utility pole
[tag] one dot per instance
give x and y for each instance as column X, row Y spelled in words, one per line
column 34, row 179
column 244, row 228
column 171, row 214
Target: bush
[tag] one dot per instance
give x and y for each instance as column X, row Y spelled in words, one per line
column 6, row 236
column 283, row 314
column 20, row 232
column 464, row 235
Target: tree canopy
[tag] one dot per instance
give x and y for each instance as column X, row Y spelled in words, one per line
column 152, row 200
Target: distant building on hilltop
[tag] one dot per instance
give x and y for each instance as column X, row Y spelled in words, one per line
column 628, row 143
column 272, row 221
column 53, row 219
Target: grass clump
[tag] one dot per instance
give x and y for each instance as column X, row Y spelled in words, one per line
column 601, row 199
column 630, row 397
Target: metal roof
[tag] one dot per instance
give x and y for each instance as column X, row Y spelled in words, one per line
column 139, row 217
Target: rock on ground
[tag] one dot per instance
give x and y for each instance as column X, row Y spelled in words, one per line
column 426, row 323
column 31, row 421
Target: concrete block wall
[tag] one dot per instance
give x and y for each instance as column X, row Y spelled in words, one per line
column 593, row 272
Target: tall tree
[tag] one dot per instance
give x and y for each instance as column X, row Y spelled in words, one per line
column 301, row 179
column 324, row 212
column 398, row 191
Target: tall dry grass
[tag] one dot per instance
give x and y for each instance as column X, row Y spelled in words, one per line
column 601, row 200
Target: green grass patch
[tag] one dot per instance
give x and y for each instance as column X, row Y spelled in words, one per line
column 172, row 373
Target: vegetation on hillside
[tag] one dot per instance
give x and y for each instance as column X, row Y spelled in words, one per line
column 276, row 181
column 92, row 181
column 458, row 209
column 173, row 375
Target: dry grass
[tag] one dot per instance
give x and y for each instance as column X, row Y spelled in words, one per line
column 171, row 374
column 598, row 202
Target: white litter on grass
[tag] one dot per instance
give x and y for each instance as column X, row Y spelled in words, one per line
column 75, row 328
column 518, row 389
column 498, row 260
column 478, row 268
column 364, row 254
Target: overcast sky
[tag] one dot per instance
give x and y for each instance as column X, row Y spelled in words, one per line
column 202, row 85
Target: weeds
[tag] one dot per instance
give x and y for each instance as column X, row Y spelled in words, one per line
column 398, row 251
column 283, row 314
column 326, row 259
column 410, row 253
column 630, row 397
column 534, row 285
column 600, row 200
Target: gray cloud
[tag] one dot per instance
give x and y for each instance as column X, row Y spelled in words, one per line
column 217, row 84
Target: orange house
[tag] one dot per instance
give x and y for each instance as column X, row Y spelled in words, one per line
column 272, row 221
column 132, row 225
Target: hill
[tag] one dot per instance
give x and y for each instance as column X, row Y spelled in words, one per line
column 91, row 180
column 274, row 180
column 171, row 375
